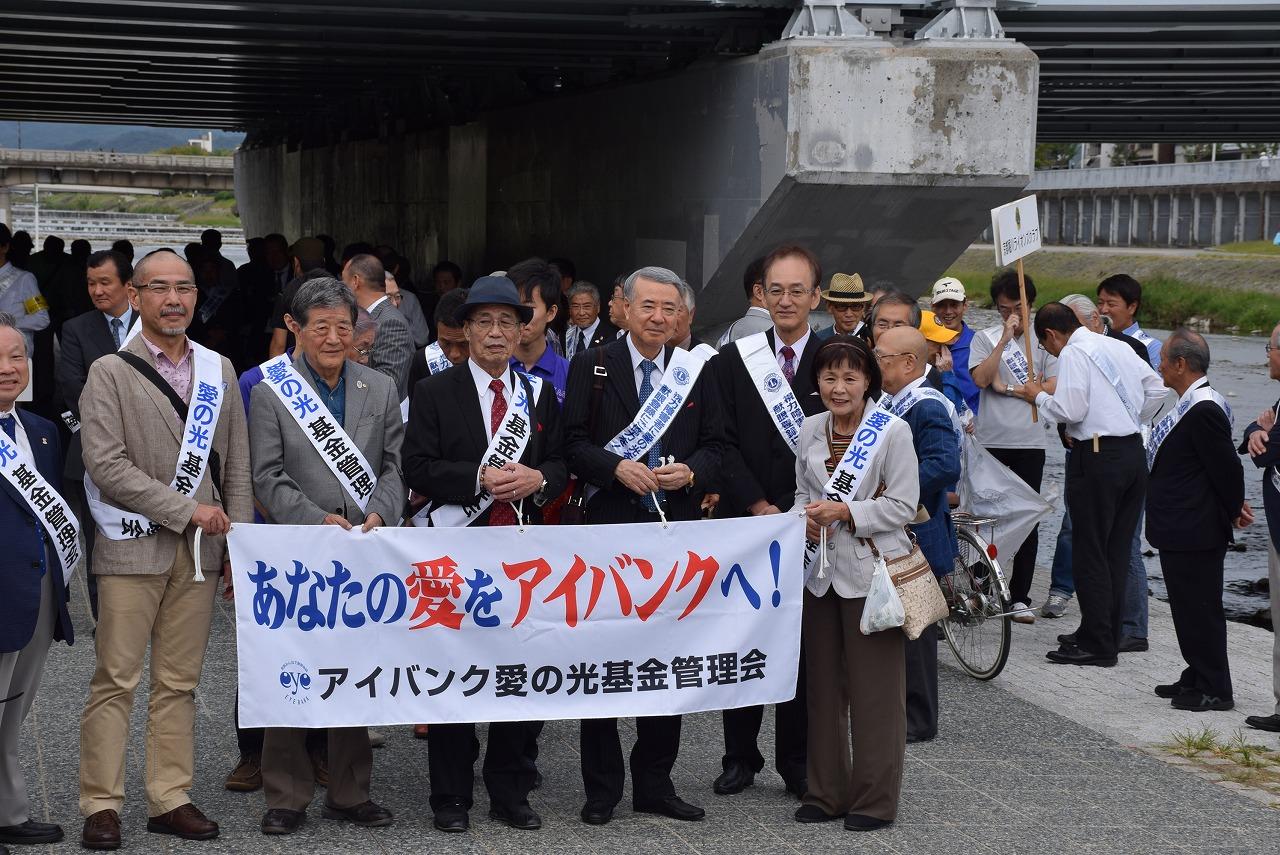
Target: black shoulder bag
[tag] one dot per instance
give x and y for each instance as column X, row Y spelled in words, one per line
column 180, row 406
column 574, row 512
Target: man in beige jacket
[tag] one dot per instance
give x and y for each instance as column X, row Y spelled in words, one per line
column 169, row 454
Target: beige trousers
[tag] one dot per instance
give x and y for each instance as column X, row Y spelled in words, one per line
column 857, row 693
column 172, row 613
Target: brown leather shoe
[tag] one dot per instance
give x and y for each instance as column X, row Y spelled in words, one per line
column 246, row 777
column 186, row 822
column 101, row 831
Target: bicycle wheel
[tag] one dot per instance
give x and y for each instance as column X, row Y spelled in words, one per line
column 978, row 628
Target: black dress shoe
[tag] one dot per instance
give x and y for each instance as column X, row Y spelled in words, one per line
column 862, row 822
column 1171, row 690
column 1129, row 644
column 452, row 818
column 522, row 816
column 733, row 780
column 366, row 814
column 913, row 738
column 1200, row 702
column 673, row 807
column 798, row 787
column 597, row 813
column 813, row 813
column 1067, row 638
column 1264, row 722
column 31, row 832
column 1068, row 655
column 282, row 821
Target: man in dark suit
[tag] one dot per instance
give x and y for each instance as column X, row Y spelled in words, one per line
column 393, row 344
column 758, row 477
column 628, row 491
column 85, row 338
column 1195, row 493
column 453, row 418
column 33, row 600
column 587, row 329
column 903, row 355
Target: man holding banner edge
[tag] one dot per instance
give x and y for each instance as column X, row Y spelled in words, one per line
column 303, row 478
column 501, row 459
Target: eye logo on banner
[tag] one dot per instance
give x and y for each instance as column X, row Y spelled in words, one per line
column 681, row 376
column 773, row 383
column 296, row 681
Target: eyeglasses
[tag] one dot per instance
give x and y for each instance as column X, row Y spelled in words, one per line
column 884, row 324
column 183, row 290
column 1271, row 347
column 322, row 330
column 364, row 351
column 881, row 357
column 396, row 297
column 775, row 292
column 485, row 324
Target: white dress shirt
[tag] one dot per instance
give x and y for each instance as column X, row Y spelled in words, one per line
column 20, row 433
column 1085, row 400
column 798, row 348
column 637, row 357
column 571, row 336
column 482, row 380
column 376, row 303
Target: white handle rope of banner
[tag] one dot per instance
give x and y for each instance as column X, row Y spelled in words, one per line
column 822, row 553
column 658, row 506
column 195, row 556
column 519, row 509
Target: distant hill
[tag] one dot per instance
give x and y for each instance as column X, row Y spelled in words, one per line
column 125, row 138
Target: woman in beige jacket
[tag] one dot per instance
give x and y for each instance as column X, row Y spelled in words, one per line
column 851, row 675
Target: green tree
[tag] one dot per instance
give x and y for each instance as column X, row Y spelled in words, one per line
column 1055, row 155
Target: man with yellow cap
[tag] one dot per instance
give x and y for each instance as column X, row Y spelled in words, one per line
column 942, row 370
column 847, row 301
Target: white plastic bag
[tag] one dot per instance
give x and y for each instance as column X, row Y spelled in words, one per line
column 883, row 608
column 988, row 488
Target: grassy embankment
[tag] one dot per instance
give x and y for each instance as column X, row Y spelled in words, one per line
column 1234, row 294
column 198, row 209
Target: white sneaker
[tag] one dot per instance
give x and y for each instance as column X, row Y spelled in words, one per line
column 1055, row 606
column 1022, row 613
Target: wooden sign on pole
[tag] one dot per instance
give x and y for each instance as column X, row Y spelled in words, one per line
column 1016, row 229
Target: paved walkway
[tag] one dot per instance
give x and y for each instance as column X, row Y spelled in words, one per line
column 1035, row 761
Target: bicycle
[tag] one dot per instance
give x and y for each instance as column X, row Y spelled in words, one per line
column 978, row 627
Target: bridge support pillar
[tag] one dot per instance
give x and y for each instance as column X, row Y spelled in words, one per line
column 883, row 156
column 6, row 207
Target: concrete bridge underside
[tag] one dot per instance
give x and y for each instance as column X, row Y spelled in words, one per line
column 883, row 157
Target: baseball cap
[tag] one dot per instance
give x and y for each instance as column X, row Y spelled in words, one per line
column 934, row 331
column 947, row 288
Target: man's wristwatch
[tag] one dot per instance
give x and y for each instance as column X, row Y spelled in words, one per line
column 1008, row 390
column 540, row 495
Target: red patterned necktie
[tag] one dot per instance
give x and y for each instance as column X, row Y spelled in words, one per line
column 500, row 513
column 789, row 362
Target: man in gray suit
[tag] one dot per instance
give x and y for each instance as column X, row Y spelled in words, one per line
column 393, row 345
column 298, row 485
column 170, row 452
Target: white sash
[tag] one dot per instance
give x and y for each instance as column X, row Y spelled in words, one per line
column 1190, row 398
column 775, row 392
column 1109, row 371
column 660, row 409
column 69, row 418
column 19, row 469
column 436, row 362
column 911, row 397
column 207, row 395
column 507, row 446
column 331, row 442
column 847, row 476
column 8, row 276
column 1012, row 356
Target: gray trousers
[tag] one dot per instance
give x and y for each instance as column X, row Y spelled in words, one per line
column 21, row 672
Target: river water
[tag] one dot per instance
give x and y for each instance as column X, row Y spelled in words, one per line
column 1238, row 370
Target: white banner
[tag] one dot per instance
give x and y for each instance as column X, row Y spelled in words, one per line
column 408, row 625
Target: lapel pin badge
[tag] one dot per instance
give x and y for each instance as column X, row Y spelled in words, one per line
column 44, row 440
column 359, row 384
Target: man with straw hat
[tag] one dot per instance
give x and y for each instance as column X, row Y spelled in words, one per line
column 847, row 301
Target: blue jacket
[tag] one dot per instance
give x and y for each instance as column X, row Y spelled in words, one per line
column 21, row 558
column 960, row 357
column 938, row 451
